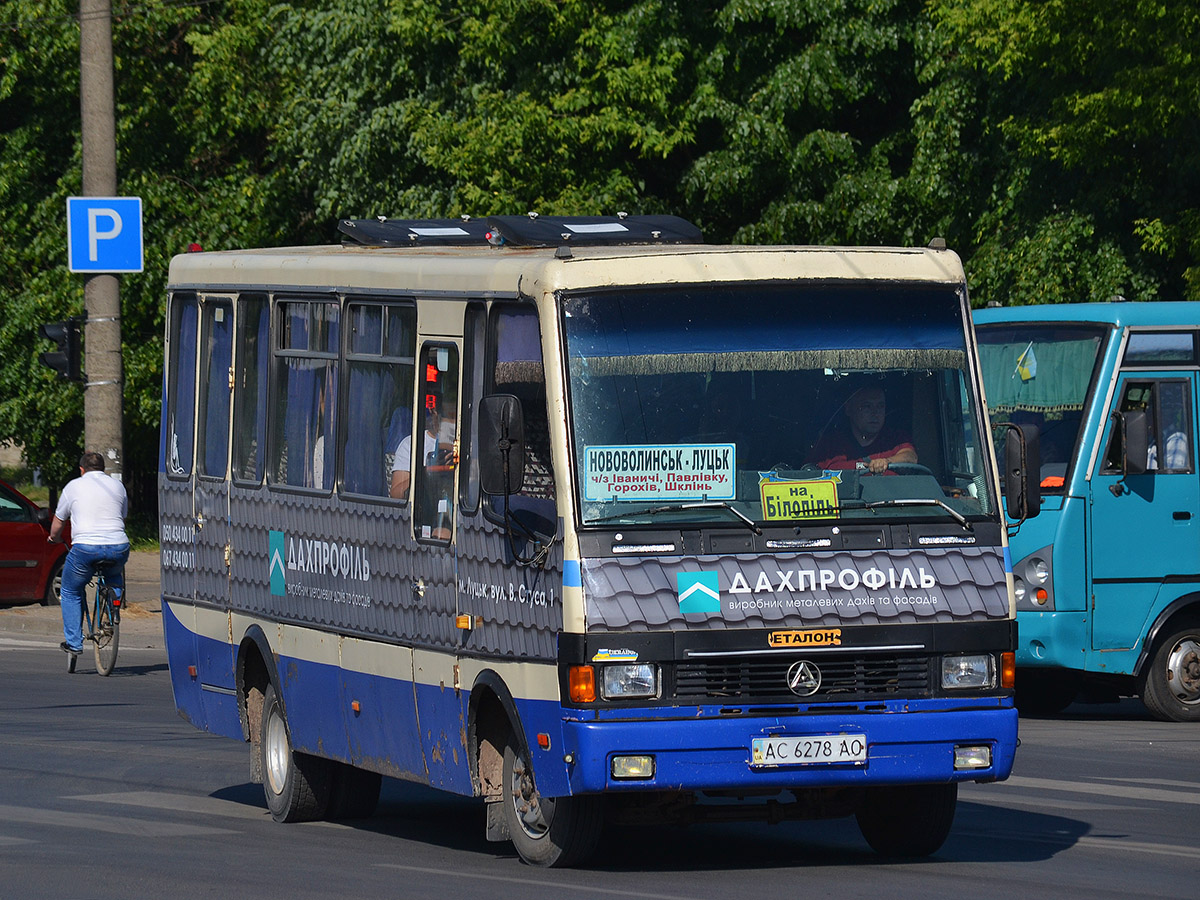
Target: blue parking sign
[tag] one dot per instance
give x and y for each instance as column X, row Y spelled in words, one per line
column 104, row 234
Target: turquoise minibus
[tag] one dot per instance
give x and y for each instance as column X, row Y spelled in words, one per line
column 1107, row 577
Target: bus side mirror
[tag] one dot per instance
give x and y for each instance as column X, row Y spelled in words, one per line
column 501, row 444
column 1135, row 441
column 1022, row 472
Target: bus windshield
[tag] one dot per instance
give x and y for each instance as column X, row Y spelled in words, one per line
column 1038, row 374
column 751, row 405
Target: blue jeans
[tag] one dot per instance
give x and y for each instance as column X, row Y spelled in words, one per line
column 83, row 560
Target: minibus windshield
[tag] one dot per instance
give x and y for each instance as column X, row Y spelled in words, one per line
column 1038, row 373
column 779, row 404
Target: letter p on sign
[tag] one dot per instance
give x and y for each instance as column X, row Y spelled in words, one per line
column 104, row 234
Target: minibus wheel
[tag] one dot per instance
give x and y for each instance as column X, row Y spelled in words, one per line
column 1170, row 682
column 908, row 819
column 547, row 831
column 296, row 785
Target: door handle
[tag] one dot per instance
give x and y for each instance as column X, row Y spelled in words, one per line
column 1181, row 515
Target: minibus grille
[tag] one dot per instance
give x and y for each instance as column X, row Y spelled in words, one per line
column 842, row 678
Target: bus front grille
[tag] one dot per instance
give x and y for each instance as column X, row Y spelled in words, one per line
column 841, row 678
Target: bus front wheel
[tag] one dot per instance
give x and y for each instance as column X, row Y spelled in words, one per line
column 1170, row 683
column 909, row 819
column 547, row 831
column 296, row 785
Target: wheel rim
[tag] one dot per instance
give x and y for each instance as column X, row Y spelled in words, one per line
column 1183, row 671
column 277, row 751
column 534, row 812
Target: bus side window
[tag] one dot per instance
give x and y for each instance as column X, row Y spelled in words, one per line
column 305, row 394
column 437, row 445
column 1170, row 448
column 181, row 388
column 250, row 388
column 216, row 351
column 1167, row 405
column 379, row 359
column 474, row 368
column 518, row 370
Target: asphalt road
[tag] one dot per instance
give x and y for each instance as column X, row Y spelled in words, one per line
column 106, row 793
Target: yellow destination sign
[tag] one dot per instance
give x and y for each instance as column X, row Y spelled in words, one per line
column 799, row 499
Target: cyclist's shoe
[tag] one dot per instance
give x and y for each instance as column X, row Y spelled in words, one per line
column 63, row 646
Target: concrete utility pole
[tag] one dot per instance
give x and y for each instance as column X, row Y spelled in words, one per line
column 103, row 406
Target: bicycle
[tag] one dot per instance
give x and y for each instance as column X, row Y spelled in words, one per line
column 102, row 626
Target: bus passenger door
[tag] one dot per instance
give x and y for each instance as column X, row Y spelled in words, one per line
column 433, row 456
column 1144, row 527
column 211, row 505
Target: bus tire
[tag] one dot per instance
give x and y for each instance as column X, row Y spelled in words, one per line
column 547, row 831
column 907, row 820
column 1170, row 683
column 353, row 792
column 296, row 785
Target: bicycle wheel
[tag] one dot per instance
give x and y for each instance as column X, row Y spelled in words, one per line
column 106, row 632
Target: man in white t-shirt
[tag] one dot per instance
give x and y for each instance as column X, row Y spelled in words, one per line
column 96, row 507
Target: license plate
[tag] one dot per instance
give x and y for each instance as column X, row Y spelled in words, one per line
column 802, row 750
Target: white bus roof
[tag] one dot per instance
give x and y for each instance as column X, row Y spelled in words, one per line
column 506, row 270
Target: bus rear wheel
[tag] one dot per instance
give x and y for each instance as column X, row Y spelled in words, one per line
column 296, row 785
column 547, row 831
column 907, row 820
column 1170, row 684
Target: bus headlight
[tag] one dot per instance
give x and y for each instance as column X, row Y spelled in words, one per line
column 969, row 671
column 1037, row 570
column 1019, row 588
column 629, row 682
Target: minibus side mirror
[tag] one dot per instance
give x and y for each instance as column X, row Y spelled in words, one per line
column 1135, row 441
column 501, row 444
column 1022, row 472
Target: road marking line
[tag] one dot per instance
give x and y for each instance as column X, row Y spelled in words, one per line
column 1107, row 790
column 1105, row 845
column 133, row 827
column 1009, row 799
column 189, row 803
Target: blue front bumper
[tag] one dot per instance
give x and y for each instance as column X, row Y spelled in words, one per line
column 907, row 743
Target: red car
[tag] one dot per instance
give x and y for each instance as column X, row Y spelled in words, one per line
column 30, row 567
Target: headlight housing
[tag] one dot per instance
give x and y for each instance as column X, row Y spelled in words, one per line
column 631, row 681
column 973, row 671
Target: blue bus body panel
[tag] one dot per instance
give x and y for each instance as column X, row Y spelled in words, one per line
column 383, row 735
column 696, row 748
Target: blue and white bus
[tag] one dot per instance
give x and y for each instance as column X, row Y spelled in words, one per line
column 1108, row 576
column 527, row 509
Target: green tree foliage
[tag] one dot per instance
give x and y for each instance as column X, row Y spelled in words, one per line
column 1097, row 109
column 1053, row 144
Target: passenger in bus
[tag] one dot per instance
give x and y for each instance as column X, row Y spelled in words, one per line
column 862, row 439
column 438, row 450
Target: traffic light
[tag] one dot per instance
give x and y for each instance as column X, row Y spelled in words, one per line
column 64, row 360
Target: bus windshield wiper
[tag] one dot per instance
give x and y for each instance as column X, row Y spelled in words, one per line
column 676, row 507
column 925, row 501
column 707, row 504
